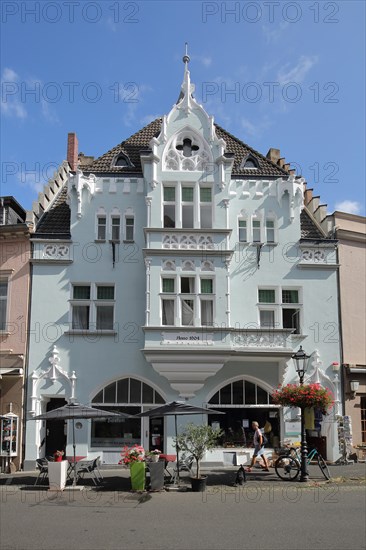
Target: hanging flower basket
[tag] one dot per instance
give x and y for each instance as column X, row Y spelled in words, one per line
column 307, row 395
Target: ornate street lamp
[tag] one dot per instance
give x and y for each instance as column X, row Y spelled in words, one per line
column 301, row 362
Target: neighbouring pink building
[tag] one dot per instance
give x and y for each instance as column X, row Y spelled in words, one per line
column 350, row 230
column 14, row 305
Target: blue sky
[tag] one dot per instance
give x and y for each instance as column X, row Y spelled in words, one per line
column 289, row 75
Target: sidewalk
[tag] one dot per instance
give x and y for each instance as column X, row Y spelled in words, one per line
column 118, row 478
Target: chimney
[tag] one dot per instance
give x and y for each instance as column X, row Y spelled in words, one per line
column 72, row 150
column 273, row 155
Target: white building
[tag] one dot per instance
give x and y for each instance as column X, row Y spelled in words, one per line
column 182, row 264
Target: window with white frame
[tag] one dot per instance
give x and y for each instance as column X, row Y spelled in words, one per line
column 116, row 228
column 92, row 307
column 280, row 308
column 242, row 231
column 129, row 228
column 185, row 298
column 169, row 206
column 206, row 301
column 206, row 207
column 270, row 231
column 3, row 302
column 291, row 310
column 183, row 209
column 187, row 206
column 101, row 228
column 256, row 231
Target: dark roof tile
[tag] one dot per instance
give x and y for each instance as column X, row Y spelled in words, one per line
column 55, row 223
column 139, row 141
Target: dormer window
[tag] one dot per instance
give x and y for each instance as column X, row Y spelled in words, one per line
column 250, row 162
column 122, row 161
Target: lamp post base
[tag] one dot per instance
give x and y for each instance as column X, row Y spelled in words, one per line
column 304, row 476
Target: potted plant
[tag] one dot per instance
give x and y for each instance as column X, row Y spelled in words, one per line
column 196, row 440
column 153, row 456
column 134, row 457
column 306, row 395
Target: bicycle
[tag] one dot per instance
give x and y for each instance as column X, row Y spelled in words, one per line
column 288, row 464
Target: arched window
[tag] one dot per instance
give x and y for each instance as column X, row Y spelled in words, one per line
column 250, row 162
column 241, row 392
column 243, row 402
column 126, row 395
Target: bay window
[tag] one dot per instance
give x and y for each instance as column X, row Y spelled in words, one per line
column 187, row 301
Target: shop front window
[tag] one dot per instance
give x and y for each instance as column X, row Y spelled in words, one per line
column 243, row 402
column 127, row 395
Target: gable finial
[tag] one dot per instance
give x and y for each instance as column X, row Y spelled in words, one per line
column 186, row 58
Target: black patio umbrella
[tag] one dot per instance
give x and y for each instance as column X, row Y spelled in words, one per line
column 77, row 411
column 176, row 408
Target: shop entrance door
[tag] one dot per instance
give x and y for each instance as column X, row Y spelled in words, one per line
column 55, row 429
column 156, row 430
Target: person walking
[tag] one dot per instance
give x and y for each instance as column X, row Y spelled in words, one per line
column 258, row 448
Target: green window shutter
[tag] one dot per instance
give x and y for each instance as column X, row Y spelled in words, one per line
column 105, row 293
column 206, row 286
column 187, row 194
column 168, row 285
column 169, row 194
column 205, row 194
column 81, row 292
column 266, row 296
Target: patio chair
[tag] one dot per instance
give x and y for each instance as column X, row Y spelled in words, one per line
column 42, row 466
column 89, row 467
column 185, row 465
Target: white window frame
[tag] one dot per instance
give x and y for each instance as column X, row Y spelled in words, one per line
column 245, row 220
column 99, row 217
column 279, row 306
column 205, row 205
column 196, row 204
column 5, row 278
column 178, row 297
column 129, row 217
column 274, row 229
column 170, row 203
column 254, row 230
column 93, row 303
column 116, row 217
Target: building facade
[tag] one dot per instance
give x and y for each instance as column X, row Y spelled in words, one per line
column 14, row 302
column 350, row 230
column 180, row 265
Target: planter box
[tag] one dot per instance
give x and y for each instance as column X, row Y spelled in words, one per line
column 156, row 475
column 57, row 475
column 137, row 471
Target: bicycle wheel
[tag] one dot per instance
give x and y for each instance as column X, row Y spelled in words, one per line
column 323, row 467
column 287, row 468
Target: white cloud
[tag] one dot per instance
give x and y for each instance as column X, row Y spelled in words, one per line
column 131, row 95
column 31, row 179
column 257, row 129
column 273, row 34
column 352, row 207
column 297, row 73
column 9, row 75
column 204, row 59
column 11, row 105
